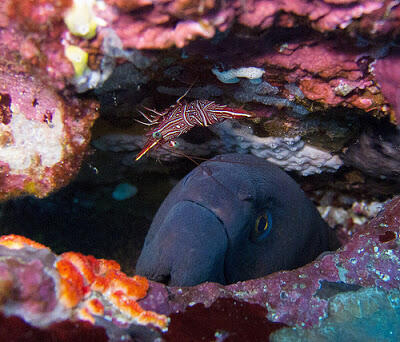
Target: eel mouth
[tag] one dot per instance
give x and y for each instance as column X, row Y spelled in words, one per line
column 203, row 240
column 167, row 278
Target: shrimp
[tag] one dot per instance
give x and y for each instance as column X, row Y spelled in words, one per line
column 182, row 117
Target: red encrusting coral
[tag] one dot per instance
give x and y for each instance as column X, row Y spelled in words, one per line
column 80, row 275
column 387, row 71
column 387, row 236
column 164, row 24
column 36, row 15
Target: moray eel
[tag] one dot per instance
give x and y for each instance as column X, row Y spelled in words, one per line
column 233, row 218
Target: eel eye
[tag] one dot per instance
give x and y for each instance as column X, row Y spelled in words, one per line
column 262, row 227
column 157, row 135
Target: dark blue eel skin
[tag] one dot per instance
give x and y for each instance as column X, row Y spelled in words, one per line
column 234, row 217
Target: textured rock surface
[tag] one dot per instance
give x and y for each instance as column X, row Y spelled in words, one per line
column 274, row 51
column 177, row 22
column 387, row 74
column 15, row 329
column 43, row 136
column 368, row 314
column 376, row 152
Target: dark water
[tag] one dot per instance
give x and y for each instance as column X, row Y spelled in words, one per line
column 84, row 217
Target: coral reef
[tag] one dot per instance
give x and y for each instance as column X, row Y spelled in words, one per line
column 228, row 319
column 162, row 25
column 15, row 329
column 322, row 80
column 43, row 288
column 387, row 74
column 348, row 221
column 269, row 56
column 290, row 153
column 107, row 30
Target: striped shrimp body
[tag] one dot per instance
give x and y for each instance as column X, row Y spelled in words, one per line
column 182, row 117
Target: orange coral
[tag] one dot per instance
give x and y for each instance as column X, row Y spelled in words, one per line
column 79, row 272
column 16, row 242
column 91, row 307
column 87, row 285
column 95, row 307
column 72, row 286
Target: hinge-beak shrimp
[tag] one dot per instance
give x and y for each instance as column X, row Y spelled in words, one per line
column 182, row 117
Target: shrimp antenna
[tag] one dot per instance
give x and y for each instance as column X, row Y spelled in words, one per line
column 183, row 154
column 186, row 92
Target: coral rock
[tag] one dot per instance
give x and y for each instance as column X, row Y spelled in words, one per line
column 43, row 288
column 228, row 319
column 42, row 137
column 387, row 72
column 15, row 329
column 354, row 316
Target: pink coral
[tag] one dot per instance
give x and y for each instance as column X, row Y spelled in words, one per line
column 324, row 72
column 156, row 28
column 323, row 15
column 163, row 24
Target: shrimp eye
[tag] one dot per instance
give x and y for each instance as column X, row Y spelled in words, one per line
column 262, row 227
column 157, row 135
